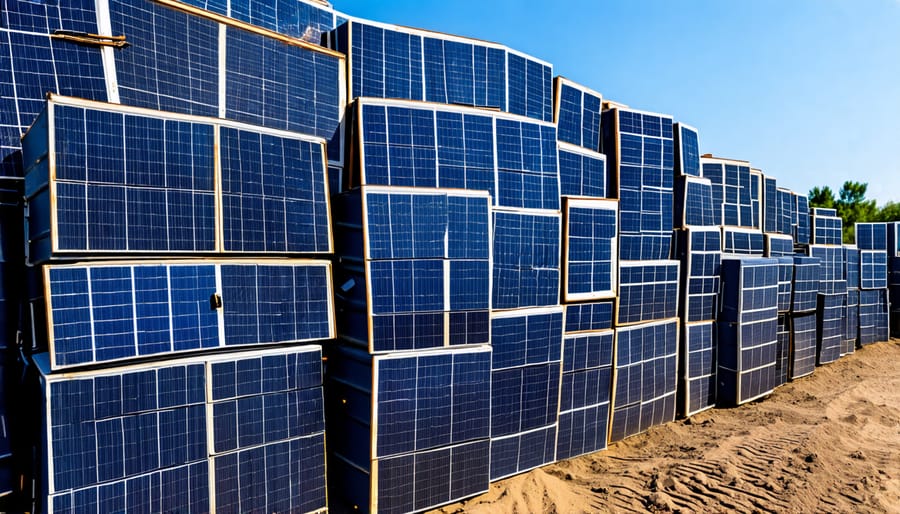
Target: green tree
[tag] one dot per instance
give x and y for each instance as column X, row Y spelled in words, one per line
column 853, row 207
column 889, row 212
column 821, row 197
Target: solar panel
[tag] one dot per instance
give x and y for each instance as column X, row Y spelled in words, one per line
column 577, row 114
column 693, row 202
column 871, row 236
column 699, row 250
column 782, row 350
column 873, row 316
column 831, row 278
column 732, row 191
column 831, row 328
column 640, row 150
column 806, row 284
column 388, row 61
column 408, row 431
column 697, row 384
column 526, row 250
column 407, row 144
column 748, row 326
column 803, row 344
column 644, row 377
column 589, row 249
column 771, row 206
column 851, row 323
column 648, row 290
column 588, row 317
column 687, row 150
column 778, row 245
column 415, row 268
column 826, row 227
column 801, row 230
column 873, row 272
column 787, row 212
column 105, row 312
column 756, row 186
column 742, row 241
column 300, row 19
column 582, row 172
column 585, row 394
column 851, row 266
column 785, row 283
column 239, row 431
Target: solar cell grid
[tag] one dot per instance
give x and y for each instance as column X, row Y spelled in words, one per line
column 699, row 250
column 871, row 236
column 577, row 114
column 786, row 211
column 585, row 393
column 733, row 191
column 830, row 330
column 587, row 317
column 785, row 283
column 831, row 278
column 826, row 227
column 873, row 269
column 778, row 245
column 803, row 344
column 581, row 172
column 806, row 283
column 697, row 391
column 526, row 252
column 851, row 266
column 873, row 316
column 590, row 249
column 851, row 323
column 801, row 230
column 693, row 202
column 687, row 150
column 771, row 206
column 739, row 241
column 648, row 290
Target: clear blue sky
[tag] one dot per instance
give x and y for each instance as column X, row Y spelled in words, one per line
column 806, row 90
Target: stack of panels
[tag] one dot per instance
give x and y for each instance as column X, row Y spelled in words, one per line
column 577, row 112
column 415, row 267
column 826, row 227
column 687, row 150
column 644, row 378
column 525, row 389
column 388, row 61
column 648, row 291
column 402, row 143
column 526, row 253
column 640, row 149
column 233, row 433
column 111, row 311
column 171, row 63
column 732, row 191
column 873, row 316
column 693, row 202
column 699, row 251
column 408, row 431
column 742, row 241
column 587, row 379
column 697, row 386
column 589, row 249
column 748, row 326
column 801, row 227
column 103, row 178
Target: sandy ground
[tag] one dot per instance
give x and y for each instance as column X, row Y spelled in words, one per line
column 829, row 442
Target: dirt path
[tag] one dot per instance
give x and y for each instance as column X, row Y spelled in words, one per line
column 829, row 442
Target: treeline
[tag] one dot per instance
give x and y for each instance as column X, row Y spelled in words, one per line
column 852, row 206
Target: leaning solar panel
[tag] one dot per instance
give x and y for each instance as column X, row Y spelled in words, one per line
column 771, row 206
column 782, row 350
column 801, row 230
column 851, row 323
column 826, row 227
column 873, row 316
column 693, row 202
column 732, row 191
column 699, row 250
column 742, row 241
column 408, row 431
column 111, row 311
column 831, row 278
column 687, row 150
column 582, row 172
column 588, row 317
column 146, row 437
column 873, row 272
column 756, row 186
column 778, row 245
column 644, row 378
column 640, row 152
column 525, row 381
column 526, row 253
column 589, row 249
column 585, row 394
column 830, row 315
column 871, row 236
column 389, row 61
column 806, row 283
column 415, row 267
column 648, row 290
column 577, row 114
column 851, row 266
column 803, row 344
column 697, row 383
column 105, row 178
column 748, row 327
column 787, row 212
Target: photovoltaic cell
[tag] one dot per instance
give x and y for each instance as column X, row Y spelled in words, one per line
column 108, row 311
column 806, row 284
column 748, row 325
column 585, row 394
column 577, row 114
column 831, row 277
column 693, row 202
column 697, row 391
column 830, row 329
column 640, row 150
column 588, row 317
column 687, row 150
column 873, row 316
column 873, row 269
column 771, row 206
column 526, row 259
column 851, row 266
column 699, row 250
column 581, row 172
column 648, row 290
column 737, row 241
column 645, row 377
column 803, row 344
column 526, row 336
column 590, row 249
column 801, row 229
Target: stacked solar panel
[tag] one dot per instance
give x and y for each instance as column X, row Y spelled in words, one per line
column 803, row 319
column 693, row 203
column 826, row 227
column 831, row 299
column 873, row 316
column 733, row 189
column 648, row 291
column 801, row 227
column 756, row 202
column 742, row 241
column 748, row 329
column 687, row 150
column 881, row 241
column 577, row 112
column 589, row 249
column 851, row 318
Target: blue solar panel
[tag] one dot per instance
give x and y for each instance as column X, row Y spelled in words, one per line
column 851, row 266
column 873, row 316
column 527, row 169
column 851, row 323
column 831, row 328
column 585, row 394
column 778, row 245
column 787, row 212
column 871, row 236
column 589, row 250
column 826, row 227
column 525, row 337
column 771, row 206
column 700, row 253
column 733, row 191
column 640, row 149
column 687, row 150
column 588, row 317
column 697, row 385
column 806, row 283
column 831, row 277
column 738, row 241
column 756, row 187
column 387, row 61
column 782, row 350
column 581, row 172
column 748, row 326
column 873, row 272
column 130, row 436
column 645, row 377
column 526, row 259
column 514, row 454
column 648, row 290
column 108, row 312
column 296, row 18
column 577, row 114
column 693, row 203
column 801, row 230
column 803, row 344
column 785, row 283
